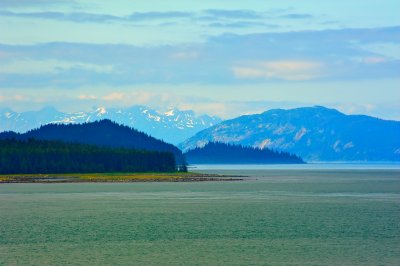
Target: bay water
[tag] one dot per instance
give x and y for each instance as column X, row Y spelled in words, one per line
column 276, row 216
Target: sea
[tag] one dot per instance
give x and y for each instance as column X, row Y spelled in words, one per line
column 314, row 214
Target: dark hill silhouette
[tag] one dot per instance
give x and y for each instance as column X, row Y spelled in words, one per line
column 221, row 153
column 101, row 133
column 55, row 157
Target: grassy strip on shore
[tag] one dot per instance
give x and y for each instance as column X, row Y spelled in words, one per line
column 113, row 177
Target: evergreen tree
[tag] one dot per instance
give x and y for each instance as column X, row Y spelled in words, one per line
column 50, row 157
column 221, row 153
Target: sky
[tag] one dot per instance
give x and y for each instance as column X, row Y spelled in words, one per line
column 223, row 58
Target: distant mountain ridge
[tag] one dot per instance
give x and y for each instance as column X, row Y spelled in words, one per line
column 101, row 133
column 173, row 126
column 221, row 153
column 313, row 133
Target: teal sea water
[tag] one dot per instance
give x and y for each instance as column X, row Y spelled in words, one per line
column 274, row 217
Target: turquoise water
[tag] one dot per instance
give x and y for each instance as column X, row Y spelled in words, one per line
column 274, row 217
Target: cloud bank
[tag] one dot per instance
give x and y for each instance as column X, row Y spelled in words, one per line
column 225, row 59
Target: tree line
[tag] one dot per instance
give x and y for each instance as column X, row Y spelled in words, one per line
column 49, row 157
column 99, row 133
column 222, row 153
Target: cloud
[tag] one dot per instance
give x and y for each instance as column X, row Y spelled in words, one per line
column 140, row 16
column 297, row 16
column 159, row 100
column 233, row 109
column 165, row 100
column 27, row 3
column 29, row 66
column 387, row 49
column 213, row 17
column 236, row 14
column 97, row 18
column 351, row 108
column 162, row 100
column 242, row 24
column 87, row 97
column 13, row 97
column 19, row 97
column 220, row 109
column 325, row 41
column 185, row 55
column 388, row 110
column 4, row 55
column 225, row 59
column 286, row 70
column 374, row 59
column 75, row 17
column 115, row 96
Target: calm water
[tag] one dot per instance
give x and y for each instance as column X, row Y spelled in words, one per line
column 308, row 166
column 275, row 217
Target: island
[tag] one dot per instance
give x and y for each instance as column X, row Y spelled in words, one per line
column 222, row 153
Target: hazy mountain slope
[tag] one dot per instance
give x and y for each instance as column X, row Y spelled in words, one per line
column 173, row 126
column 314, row 133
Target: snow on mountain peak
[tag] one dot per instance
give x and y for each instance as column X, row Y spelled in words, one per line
column 169, row 113
column 171, row 125
column 101, row 111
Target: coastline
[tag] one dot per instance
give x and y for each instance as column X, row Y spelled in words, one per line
column 115, row 178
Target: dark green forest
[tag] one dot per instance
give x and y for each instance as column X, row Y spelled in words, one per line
column 100, row 133
column 221, row 153
column 49, row 157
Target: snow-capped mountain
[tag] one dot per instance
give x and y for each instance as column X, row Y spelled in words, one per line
column 173, row 126
column 314, row 133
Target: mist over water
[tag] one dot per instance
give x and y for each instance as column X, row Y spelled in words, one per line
column 274, row 216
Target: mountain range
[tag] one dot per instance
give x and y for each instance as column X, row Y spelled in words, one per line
column 173, row 126
column 313, row 133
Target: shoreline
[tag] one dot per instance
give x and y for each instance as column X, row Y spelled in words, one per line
column 114, row 178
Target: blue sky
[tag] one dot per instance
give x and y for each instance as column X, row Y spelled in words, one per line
column 218, row 57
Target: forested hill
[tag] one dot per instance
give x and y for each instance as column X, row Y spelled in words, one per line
column 54, row 157
column 102, row 133
column 221, row 153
